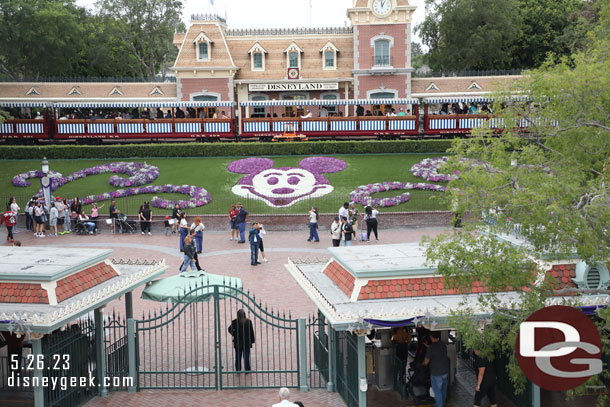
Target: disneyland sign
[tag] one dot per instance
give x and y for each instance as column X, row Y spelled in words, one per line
column 280, row 87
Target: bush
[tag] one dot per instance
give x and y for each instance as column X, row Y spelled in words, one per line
column 222, row 149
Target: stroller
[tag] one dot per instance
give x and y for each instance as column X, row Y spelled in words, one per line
column 419, row 383
column 123, row 225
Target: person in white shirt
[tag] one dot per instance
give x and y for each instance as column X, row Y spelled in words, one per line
column 284, row 402
column 15, row 209
column 335, row 231
column 261, row 233
column 307, row 115
column 323, row 112
column 344, row 210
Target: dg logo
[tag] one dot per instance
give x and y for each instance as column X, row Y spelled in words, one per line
column 559, row 348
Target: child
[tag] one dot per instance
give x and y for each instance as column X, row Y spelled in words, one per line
column 168, row 228
column 10, row 220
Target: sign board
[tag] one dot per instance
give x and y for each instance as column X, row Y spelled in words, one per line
column 293, row 86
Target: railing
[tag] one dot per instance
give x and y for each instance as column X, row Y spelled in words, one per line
column 383, row 61
column 24, row 128
column 431, row 74
column 347, row 367
column 317, row 350
column 328, row 125
column 89, row 79
column 13, row 381
column 142, row 127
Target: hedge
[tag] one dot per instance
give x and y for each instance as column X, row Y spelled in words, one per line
column 222, row 149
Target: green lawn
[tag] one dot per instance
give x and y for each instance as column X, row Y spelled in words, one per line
column 211, row 174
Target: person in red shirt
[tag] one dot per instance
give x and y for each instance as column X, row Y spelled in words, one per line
column 10, row 219
column 232, row 214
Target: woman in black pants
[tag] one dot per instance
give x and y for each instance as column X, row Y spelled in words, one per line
column 370, row 217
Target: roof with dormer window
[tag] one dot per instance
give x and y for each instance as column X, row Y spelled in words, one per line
column 202, row 38
column 257, row 47
column 329, row 46
column 293, row 47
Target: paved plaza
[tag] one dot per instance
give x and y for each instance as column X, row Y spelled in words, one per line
column 270, row 282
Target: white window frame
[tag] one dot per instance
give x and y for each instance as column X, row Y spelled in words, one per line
column 257, row 49
column 259, row 97
column 192, row 96
column 382, row 37
column 293, row 47
column 329, row 47
column 373, row 91
column 198, row 40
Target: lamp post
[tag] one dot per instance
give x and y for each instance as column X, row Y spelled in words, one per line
column 45, row 182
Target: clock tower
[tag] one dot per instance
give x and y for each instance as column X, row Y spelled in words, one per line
column 382, row 48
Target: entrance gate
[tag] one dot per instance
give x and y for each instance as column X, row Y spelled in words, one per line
column 188, row 346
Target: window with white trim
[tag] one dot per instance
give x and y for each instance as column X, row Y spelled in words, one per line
column 332, row 109
column 329, row 59
column 203, row 47
column 382, row 53
column 257, row 61
column 329, row 56
column 258, row 111
column 203, row 51
column 293, row 59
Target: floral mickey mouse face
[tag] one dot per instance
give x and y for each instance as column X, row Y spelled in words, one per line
column 280, row 187
column 279, row 183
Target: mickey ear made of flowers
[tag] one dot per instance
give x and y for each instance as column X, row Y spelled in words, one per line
column 251, row 165
column 323, row 165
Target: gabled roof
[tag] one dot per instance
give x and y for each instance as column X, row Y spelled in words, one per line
column 329, row 46
column 257, row 47
column 293, row 47
column 202, row 38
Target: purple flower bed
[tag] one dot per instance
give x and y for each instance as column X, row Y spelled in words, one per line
column 138, row 174
column 363, row 194
column 428, row 169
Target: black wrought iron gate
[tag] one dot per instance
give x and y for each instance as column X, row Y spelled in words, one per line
column 188, row 346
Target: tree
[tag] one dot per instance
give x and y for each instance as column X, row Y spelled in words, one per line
column 543, row 23
column 470, row 34
column 40, row 38
column 148, row 28
column 552, row 181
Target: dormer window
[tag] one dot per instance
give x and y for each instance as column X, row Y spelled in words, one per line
column 329, row 56
column 257, row 57
column 203, row 46
column 293, row 56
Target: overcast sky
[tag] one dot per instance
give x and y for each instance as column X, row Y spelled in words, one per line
column 276, row 13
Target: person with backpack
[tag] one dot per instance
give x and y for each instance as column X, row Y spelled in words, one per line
column 10, row 220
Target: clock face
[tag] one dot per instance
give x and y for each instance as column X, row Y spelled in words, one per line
column 382, row 7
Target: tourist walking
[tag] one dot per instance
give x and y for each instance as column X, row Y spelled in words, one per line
column 114, row 214
column 284, row 396
column 9, row 219
column 436, row 358
column 370, row 217
column 15, row 208
column 335, row 231
column 232, row 215
column 354, row 214
column 486, row 380
column 242, row 331
column 344, row 210
column 189, row 254
column 346, row 232
column 61, row 215
column 176, row 212
column 184, row 229
column 240, row 220
column 53, row 216
column 29, row 215
column 38, row 219
column 145, row 216
column 254, row 241
column 261, row 232
column 197, row 230
column 313, row 225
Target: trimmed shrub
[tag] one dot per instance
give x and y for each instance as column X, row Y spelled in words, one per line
column 223, row 149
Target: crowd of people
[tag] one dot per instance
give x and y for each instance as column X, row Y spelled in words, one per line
column 463, row 108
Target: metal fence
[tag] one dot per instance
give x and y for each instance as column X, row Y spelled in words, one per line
column 317, row 351
column 78, row 342
column 11, row 381
column 347, row 367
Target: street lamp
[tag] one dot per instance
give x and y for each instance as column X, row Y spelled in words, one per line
column 45, row 166
column 45, row 182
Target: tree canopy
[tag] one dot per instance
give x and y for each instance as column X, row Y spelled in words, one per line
column 552, row 183
column 502, row 34
column 57, row 38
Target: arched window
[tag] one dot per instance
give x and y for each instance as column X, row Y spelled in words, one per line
column 382, row 53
